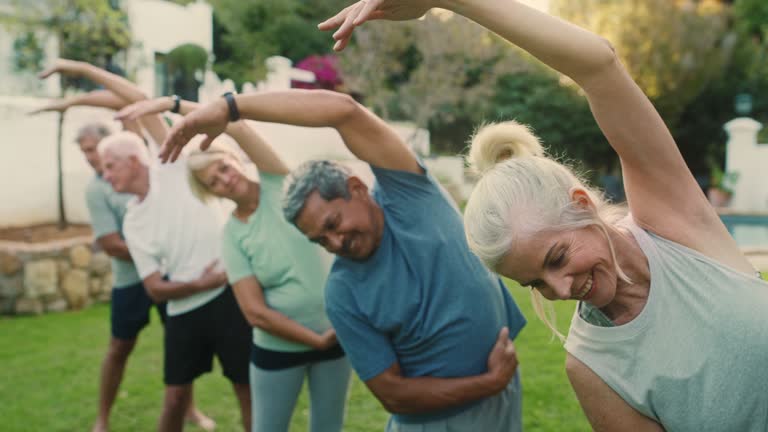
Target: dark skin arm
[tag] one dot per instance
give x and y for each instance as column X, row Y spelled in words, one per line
column 404, row 395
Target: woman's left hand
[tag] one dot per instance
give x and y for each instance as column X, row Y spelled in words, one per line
column 210, row 120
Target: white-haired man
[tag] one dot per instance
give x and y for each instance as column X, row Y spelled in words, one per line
column 171, row 233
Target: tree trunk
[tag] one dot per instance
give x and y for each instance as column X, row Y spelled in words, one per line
column 59, row 172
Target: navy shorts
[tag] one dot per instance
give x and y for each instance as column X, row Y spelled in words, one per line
column 193, row 338
column 130, row 311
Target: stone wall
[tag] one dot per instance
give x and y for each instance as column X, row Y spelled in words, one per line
column 51, row 277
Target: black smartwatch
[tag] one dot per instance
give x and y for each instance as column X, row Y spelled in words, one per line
column 176, row 104
column 234, row 113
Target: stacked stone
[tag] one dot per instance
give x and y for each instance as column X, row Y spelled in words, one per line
column 52, row 277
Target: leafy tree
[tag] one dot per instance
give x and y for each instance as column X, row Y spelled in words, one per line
column 430, row 71
column 87, row 30
column 247, row 32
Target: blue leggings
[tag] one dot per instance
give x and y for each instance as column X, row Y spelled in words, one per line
column 274, row 394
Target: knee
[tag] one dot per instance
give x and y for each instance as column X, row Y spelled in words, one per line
column 177, row 398
column 120, row 349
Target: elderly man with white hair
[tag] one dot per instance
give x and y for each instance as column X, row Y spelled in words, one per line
column 174, row 240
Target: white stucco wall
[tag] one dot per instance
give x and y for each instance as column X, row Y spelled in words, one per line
column 159, row 26
column 28, row 179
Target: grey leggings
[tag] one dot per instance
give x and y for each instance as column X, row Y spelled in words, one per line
column 274, row 394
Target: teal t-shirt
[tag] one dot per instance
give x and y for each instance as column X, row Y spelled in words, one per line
column 291, row 270
column 107, row 209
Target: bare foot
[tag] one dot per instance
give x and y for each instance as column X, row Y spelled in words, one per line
column 196, row 417
column 100, row 427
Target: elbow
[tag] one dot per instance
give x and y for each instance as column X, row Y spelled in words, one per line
column 257, row 317
column 343, row 106
column 604, row 60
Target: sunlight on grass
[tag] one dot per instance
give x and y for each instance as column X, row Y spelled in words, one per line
column 49, row 369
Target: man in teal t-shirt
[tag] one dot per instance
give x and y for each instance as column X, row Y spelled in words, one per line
column 130, row 303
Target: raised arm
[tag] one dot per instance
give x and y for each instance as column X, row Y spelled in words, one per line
column 662, row 194
column 96, row 98
column 258, row 151
column 366, row 135
column 116, row 84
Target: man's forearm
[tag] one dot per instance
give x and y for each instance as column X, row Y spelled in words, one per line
column 162, row 290
column 310, row 108
column 402, row 395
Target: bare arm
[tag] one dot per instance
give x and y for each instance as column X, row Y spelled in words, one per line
column 403, row 395
column 258, row 151
column 160, row 290
column 250, row 297
column 96, row 98
column 366, row 135
column 114, row 246
column 605, row 409
column 662, row 193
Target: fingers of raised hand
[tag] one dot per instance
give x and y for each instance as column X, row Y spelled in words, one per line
column 336, row 20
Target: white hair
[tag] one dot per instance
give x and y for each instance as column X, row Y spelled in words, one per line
column 520, row 192
column 198, row 160
column 124, row 145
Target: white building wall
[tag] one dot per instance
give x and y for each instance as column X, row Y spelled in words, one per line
column 159, row 26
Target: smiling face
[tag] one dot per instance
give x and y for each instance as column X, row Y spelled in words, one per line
column 224, row 178
column 564, row 265
column 349, row 228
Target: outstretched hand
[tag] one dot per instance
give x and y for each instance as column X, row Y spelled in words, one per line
column 210, row 120
column 367, row 10
column 144, row 107
column 62, row 66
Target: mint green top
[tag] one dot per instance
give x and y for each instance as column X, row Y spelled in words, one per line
column 290, row 269
column 107, row 210
column 695, row 357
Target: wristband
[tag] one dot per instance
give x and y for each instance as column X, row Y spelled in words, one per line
column 234, row 113
column 176, row 104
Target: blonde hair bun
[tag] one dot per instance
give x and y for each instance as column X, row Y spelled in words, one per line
column 496, row 142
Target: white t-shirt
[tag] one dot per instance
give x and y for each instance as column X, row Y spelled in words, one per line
column 173, row 232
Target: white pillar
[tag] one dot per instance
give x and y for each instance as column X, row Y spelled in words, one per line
column 744, row 157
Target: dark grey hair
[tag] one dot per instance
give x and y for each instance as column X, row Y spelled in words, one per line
column 328, row 178
column 96, row 130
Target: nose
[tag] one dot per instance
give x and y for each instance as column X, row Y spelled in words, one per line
column 334, row 242
column 560, row 286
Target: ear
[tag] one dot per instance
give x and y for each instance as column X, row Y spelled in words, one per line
column 581, row 199
column 356, row 187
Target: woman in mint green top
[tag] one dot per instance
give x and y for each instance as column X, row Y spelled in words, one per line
column 278, row 277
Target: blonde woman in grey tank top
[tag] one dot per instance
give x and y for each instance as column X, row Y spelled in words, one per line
column 677, row 339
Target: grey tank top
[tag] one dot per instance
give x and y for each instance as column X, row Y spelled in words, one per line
column 696, row 357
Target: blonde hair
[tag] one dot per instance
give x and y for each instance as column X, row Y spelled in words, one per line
column 198, row 160
column 123, row 145
column 521, row 191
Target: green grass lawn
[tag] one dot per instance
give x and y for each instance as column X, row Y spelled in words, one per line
column 49, row 376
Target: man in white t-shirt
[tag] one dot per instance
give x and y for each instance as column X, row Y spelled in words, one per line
column 174, row 240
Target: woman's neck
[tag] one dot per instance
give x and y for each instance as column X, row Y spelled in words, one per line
column 630, row 297
column 249, row 202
